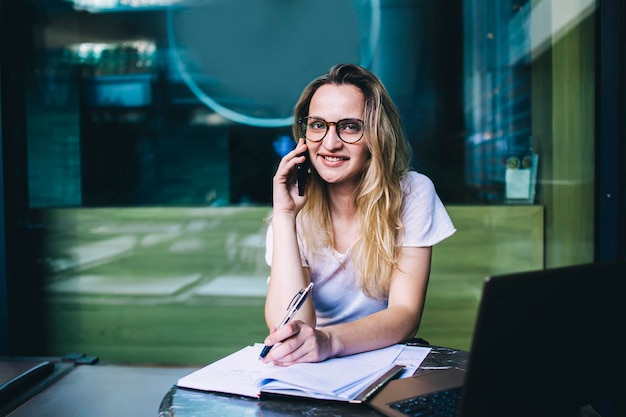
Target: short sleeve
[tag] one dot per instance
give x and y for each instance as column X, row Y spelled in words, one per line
column 269, row 240
column 424, row 217
column 269, row 236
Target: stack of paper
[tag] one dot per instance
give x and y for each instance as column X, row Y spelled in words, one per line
column 348, row 378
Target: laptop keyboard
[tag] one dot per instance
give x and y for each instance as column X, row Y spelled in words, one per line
column 437, row 404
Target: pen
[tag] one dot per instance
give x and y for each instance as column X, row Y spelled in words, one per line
column 292, row 309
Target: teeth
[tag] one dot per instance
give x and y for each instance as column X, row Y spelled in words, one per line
column 333, row 158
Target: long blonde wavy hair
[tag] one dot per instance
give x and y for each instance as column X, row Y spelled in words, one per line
column 379, row 196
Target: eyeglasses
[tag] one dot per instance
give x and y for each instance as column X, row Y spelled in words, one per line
column 315, row 129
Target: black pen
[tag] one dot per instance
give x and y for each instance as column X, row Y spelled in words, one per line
column 292, row 309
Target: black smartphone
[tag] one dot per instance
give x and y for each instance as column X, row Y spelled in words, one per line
column 303, row 171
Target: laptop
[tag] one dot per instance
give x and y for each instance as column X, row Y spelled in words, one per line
column 545, row 343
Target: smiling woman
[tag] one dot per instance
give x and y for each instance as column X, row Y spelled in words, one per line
column 362, row 232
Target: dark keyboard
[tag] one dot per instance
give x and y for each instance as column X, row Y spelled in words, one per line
column 438, row 404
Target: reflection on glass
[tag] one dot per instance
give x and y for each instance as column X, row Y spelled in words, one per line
column 248, row 60
column 111, row 5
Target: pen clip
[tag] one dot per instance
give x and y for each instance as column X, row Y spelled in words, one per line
column 295, row 299
column 300, row 295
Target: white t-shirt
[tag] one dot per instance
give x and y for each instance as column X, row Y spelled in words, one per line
column 336, row 295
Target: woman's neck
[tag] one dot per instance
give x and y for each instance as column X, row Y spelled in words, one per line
column 343, row 215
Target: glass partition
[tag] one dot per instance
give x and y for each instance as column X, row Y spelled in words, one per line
column 154, row 128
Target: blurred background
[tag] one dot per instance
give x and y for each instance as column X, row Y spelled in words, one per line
column 140, row 137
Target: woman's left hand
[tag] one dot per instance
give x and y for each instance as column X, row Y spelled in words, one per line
column 297, row 342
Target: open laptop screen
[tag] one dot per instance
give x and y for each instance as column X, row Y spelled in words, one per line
column 550, row 340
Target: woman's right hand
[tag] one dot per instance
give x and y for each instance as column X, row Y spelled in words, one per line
column 298, row 342
column 285, row 189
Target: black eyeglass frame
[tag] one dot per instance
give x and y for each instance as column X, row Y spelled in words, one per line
column 302, row 122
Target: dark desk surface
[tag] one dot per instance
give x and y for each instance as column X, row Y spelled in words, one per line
column 180, row 402
column 97, row 391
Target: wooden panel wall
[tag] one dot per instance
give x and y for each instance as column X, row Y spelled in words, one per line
column 563, row 125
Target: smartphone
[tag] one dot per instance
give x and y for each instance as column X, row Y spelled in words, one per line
column 303, row 171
